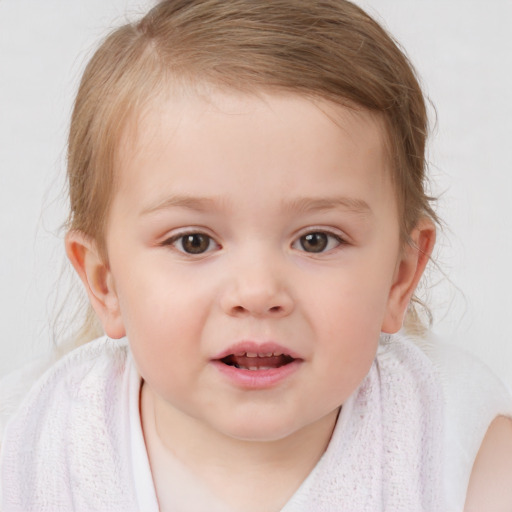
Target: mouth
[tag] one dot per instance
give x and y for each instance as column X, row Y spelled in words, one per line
column 253, row 361
column 257, row 366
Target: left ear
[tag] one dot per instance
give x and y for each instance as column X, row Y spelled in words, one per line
column 412, row 262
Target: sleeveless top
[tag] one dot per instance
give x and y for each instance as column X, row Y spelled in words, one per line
column 439, row 399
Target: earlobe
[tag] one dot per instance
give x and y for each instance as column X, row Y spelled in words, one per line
column 413, row 260
column 97, row 280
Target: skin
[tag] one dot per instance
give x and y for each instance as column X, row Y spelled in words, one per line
column 490, row 485
column 252, row 175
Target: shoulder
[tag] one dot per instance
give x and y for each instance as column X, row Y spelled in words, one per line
column 474, row 396
column 73, row 427
column 40, row 380
column 15, row 386
column 94, row 364
column 85, row 384
column 490, row 483
column 477, row 431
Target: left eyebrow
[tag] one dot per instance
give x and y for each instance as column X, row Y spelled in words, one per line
column 315, row 204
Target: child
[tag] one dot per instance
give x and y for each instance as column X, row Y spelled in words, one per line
column 249, row 220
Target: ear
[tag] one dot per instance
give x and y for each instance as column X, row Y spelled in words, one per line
column 412, row 262
column 98, row 281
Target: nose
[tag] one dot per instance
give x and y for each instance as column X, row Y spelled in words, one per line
column 257, row 290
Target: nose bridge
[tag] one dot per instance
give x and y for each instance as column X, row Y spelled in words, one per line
column 258, row 285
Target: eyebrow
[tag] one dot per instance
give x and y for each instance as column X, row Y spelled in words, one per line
column 201, row 204
column 315, row 204
column 301, row 205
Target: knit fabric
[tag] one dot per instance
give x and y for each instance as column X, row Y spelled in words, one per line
column 385, row 453
column 70, row 447
column 473, row 398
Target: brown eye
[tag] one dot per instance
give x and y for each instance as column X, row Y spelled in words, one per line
column 194, row 243
column 314, row 242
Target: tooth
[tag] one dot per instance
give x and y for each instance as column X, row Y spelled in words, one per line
column 265, row 367
column 251, row 354
column 253, row 368
column 269, row 354
column 276, row 354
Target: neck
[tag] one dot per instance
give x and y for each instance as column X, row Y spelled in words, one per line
column 264, row 473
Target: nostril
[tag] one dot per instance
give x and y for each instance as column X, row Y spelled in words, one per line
column 256, row 304
column 272, row 310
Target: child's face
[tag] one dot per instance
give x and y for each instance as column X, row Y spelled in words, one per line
column 259, row 225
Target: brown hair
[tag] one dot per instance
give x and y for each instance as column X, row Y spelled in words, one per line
column 328, row 49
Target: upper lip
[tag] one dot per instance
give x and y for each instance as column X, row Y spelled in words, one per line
column 252, row 347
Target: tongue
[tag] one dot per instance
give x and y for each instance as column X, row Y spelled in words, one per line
column 267, row 362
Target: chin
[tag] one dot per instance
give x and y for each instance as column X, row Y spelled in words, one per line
column 260, row 429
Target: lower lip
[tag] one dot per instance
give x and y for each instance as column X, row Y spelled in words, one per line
column 257, row 379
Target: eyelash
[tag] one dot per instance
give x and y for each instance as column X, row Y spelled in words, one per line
column 329, row 240
column 175, row 241
column 324, row 241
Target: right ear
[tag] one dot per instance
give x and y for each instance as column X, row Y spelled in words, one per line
column 98, row 281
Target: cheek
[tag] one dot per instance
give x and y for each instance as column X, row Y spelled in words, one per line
column 350, row 334
column 349, row 347
column 166, row 352
column 164, row 315
column 160, row 298
column 355, row 300
column 347, row 315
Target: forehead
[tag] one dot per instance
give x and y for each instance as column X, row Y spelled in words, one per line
column 197, row 141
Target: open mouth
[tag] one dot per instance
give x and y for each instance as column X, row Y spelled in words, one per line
column 254, row 362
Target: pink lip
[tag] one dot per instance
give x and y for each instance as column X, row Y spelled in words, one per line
column 256, row 379
column 256, row 348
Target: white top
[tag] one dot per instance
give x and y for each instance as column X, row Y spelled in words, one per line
column 472, row 398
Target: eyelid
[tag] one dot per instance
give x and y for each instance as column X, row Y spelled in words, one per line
column 170, row 240
column 339, row 236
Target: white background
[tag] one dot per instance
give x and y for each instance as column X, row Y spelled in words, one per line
column 463, row 52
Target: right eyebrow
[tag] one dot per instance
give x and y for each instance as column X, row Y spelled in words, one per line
column 183, row 201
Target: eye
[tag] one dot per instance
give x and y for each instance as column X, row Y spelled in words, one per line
column 192, row 243
column 317, row 242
